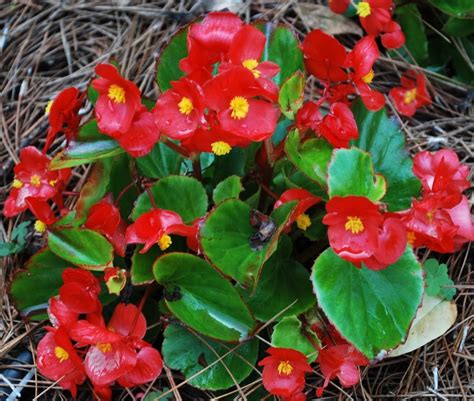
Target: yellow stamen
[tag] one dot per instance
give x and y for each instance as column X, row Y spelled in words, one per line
column 252, row 64
column 61, row 354
column 53, row 182
column 239, row 107
column 40, row 226
column 303, row 221
column 284, row 368
column 409, row 96
column 104, row 347
column 411, row 237
column 430, row 216
column 368, row 77
column 363, row 9
column 185, row 106
column 164, row 242
column 116, row 94
column 354, row 225
column 17, row 184
column 35, row 180
column 220, row 148
column 47, row 109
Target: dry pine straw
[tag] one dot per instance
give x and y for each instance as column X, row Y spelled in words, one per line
column 46, row 47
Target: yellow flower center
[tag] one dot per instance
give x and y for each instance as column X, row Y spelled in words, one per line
column 47, row 109
column 40, row 226
column 411, row 237
column 220, row 148
column 185, row 106
column 17, row 184
column 104, row 347
column 239, row 107
column 116, row 94
column 430, row 216
column 164, row 242
column 368, row 77
column 303, row 221
column 284, row 368
column 252, row 64
column 354, row 225
column 35, row 180
column 409, row 96
column 61, row 354
column 363, row 9
column 53, row 182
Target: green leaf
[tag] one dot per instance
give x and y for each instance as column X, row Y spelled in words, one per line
column 92, row 94
column 282, row 282
column 282, row 48
column 95, row 188
column 458, row 27
column 183, row 195
column 142, row 265
column 225, row 239
column 167, row 68
column 455, row 8
column 290, row 333
column 160, row 162
column 351, row 172
column 291, row 95
column 190, row 354
column 437, row 279
column 83, row 152
column 201, row 298
column 39, row 281
column 371, row 309
column 82, row 247
column 18, row 240
column 311, row 158
column 411, row 21
column 229, row 188
column 120, row 177
column 158, row 395
column 386, row 143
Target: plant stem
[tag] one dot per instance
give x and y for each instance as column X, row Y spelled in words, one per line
column 197, row 166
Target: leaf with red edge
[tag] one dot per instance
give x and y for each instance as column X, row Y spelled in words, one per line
column 167, row 66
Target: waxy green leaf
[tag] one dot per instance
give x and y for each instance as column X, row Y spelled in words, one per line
column 311, row 158
column 183, row 195
column 189, row 353
column 411, row 21
column 167, row 67
column 81, row 247
column 202, row 298
column 291, row 95
column 142, row 265
column 371, row 309
column 455, row 8
column 379, row 136
column 226, row 240
column 351, row 172
column 160, row 162
column 229, row 188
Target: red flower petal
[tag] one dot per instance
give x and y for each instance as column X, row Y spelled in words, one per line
column 148, row 368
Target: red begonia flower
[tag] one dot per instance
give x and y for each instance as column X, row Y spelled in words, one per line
column 180, row 111
column 115, row 279
column 60, row 315
column 34, row 179
column 80, row 291
column 119, row 100
column 361, row 59
column 339, row 6
column 43, row 213
column 308, row 116
column 393, row 38
column 429, row 226
column 338, row 126
column 103, row 393
column 305, row 200
column 442, row 173
column 340, row 361
column 284, row 371
column 340, row 93
column 142, row 135
column 148, row 367
column 324, row 56
column 63, row 115
column 231, row 94
column 154, row 227
column 104, row 217
column 461, row 216
column 58, row 360
column 246, row 50
column 353, row 227
column 412, row 95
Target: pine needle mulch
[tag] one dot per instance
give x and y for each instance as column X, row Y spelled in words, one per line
column 46, row 47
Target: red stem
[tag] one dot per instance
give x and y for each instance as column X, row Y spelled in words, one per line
column 122, row 193
column 150, row 195
column 176, row 148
